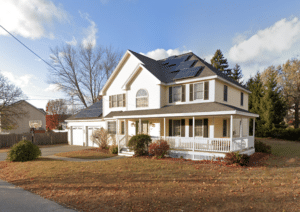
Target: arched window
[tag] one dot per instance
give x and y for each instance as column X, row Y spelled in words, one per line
column 142, row 98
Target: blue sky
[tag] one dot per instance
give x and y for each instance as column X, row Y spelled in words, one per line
column 254, row 34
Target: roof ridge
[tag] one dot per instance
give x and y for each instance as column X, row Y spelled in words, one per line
column 177, row 55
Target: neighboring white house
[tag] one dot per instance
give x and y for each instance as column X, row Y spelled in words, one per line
column 201, row 112
column 33, row 114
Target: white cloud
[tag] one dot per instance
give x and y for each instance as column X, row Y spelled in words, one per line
column 90, row 32
column 73, row 42
column 271, row 46
column 268, row 44
column 30, row 19
column 158, row 54
column 19, row 81
column 52, row 88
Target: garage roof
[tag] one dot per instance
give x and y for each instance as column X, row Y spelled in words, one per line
column 92, row 112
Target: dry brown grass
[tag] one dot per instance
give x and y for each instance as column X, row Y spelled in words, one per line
column 143, row 184
column 94, row 153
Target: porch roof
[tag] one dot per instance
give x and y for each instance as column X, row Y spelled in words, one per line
column 198, row 109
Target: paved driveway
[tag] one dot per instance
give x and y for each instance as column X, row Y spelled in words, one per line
column 52, row 150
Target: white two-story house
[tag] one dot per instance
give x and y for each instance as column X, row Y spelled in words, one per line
column 182, row 99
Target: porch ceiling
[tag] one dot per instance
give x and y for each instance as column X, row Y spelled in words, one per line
column 210, row 108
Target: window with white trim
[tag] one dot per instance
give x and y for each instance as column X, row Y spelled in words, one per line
column 111, row 127
column 117, row 100
column 198, row 91
column 142, row 98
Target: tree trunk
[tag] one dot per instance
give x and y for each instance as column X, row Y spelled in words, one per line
column 296, row 123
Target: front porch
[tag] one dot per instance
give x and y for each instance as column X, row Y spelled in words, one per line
column 197, row 137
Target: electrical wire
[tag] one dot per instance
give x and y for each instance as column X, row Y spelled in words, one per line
column 27, row 47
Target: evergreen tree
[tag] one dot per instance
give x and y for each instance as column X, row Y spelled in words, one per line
column 255, row 85
column 237, row 73
column 272, row 103
column 219, row 62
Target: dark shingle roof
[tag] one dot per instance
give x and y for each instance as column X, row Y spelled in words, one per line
column 184, row 108
column 92, row 112
column 162, row 72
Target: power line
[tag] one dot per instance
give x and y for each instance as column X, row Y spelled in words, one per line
column 28, row 48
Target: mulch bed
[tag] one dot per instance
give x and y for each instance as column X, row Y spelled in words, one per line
column 256, row 160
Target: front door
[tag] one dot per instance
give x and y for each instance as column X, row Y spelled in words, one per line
column 144, row 127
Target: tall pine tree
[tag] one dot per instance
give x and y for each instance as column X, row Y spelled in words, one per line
column 255, row 85
column 237, row 73
column 272, row 104
column 219, row 62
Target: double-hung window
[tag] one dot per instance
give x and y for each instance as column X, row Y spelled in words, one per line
column 117, row 100
column 199, row 127
column 177, row 94
column 198, row 91
column 111, row 126
column 176, row 124
column 142, row 98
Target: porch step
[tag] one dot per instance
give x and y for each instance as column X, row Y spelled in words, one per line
column 126, row 152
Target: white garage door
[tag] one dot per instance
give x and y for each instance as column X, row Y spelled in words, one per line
column 90, row 132
column 77, row 136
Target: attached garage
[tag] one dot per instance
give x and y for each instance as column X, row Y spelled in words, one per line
column 82, row 125
column 77, row 136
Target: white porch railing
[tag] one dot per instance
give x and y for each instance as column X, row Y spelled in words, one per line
column 207, row 144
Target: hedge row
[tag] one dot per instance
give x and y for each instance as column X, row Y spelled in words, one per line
column 287, row 134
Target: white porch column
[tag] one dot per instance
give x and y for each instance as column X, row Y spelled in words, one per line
column 194, row 133
column 165, row 128
column 231, row 132
column 126, row 131
column 117, row 137
column 253, row 127
column 140, row 126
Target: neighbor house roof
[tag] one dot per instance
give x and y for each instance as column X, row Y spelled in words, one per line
column 24, row 101
column 172, row 110
column 92, row 112
column 162, row 71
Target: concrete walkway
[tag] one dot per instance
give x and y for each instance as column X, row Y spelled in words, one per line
column 16, row 199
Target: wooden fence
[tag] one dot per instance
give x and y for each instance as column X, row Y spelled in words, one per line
column 8, row 140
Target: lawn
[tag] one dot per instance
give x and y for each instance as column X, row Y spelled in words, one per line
column 94, row 153
column 144, row 184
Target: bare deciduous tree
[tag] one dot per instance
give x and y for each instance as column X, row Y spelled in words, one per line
column 100, row 137
column 82, row 71
column 10, row 107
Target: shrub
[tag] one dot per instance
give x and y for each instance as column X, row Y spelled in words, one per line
column 262, row 147
column 24, row 151
column 100, row 137
column 139, row 144
column 244, row 160
column 113, row 149
column 235, row 157
column 159, row 148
